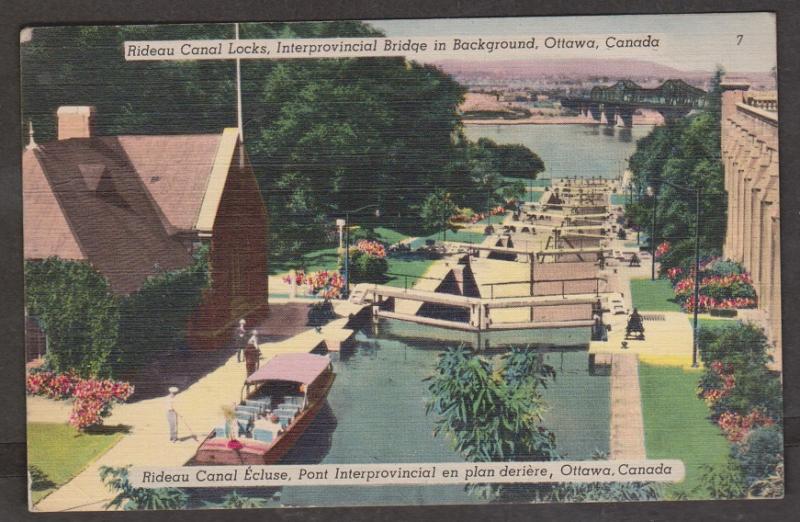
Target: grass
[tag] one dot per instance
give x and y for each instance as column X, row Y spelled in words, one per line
column 714, row 323
column 389, row 236
column 406, row 266
column 61, row 452
column 676, row 423
column 653, row 296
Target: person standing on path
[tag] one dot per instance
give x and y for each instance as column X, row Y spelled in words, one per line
column 172, row 415
column 240, row 332
column 252, row 356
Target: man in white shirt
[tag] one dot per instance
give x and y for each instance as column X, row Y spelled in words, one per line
column 240, row 332
column 172, row 415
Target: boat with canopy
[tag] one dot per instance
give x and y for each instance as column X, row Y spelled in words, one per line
column 279, row 401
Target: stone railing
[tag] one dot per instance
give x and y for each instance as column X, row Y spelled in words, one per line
column 767, row 101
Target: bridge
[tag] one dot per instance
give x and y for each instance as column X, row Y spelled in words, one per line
column 568, row 310
column 673, row 99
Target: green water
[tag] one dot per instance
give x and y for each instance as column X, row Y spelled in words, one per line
column 569, row 150
column 376, row 414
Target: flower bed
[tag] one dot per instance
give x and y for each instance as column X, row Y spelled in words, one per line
column 724, row 285
column 371, row 248
column 744, row 397
column 92, row 398
column 327, row 284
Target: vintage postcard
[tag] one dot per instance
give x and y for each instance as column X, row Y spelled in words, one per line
column 402, row 262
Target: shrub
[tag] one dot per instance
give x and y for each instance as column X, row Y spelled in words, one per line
column 76, row 309
column 326, row 284
column 92, row 398
column 723, row 481
column 365, row 268
column 153, row 320
column 760, row 453
column 39, row 481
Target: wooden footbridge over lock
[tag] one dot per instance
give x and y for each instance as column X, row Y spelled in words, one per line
column 478, row 310
column 560, row 301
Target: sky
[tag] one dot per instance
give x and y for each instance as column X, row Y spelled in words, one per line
column 688, row 42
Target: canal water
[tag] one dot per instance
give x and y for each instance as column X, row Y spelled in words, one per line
column 569, row 150
column 376, row 414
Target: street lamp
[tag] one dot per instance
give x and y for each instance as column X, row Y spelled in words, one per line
column 652, row 193
column 346, row 269
column 695, row 311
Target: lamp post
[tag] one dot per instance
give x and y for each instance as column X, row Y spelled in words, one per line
column 652, row 192
column 697, row 191
column 346, row 269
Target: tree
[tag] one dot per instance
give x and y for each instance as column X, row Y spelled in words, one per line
column 77, row 311
column 684, row 153
column 437, row 211
column 492, row 414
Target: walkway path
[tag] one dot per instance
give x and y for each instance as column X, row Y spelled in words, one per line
column 627, row 423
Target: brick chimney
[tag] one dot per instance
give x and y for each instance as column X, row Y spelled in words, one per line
column 75, row 121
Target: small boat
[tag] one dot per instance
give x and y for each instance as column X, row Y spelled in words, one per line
column 279, row 402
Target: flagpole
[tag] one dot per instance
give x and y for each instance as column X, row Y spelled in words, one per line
column 239, row 91
column 239, row 122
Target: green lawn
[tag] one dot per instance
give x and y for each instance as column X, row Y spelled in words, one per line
column 61, row 452
column 713, row 323
column 676, row 424
column 410, row 267
column 653, row 296
column 389, row 236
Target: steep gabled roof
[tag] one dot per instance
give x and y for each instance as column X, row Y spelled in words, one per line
column 46, row 229
column 182, row 173
column 109, row 212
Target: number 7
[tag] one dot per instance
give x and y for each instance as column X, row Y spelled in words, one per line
column 739, row 38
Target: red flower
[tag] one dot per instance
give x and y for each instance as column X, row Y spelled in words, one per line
column 235, row 445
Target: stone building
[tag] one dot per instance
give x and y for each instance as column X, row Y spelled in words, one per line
column 133, row 206
column 750, row 158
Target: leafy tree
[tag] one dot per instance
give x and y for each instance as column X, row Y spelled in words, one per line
column 518, row 161
column 686, row 154
column 436, row 212
column 492, row 414
column 77, row 311
column 131, row 498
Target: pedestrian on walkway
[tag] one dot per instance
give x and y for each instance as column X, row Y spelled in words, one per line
column 172, row 415
column 252, row 357
column 240, row 332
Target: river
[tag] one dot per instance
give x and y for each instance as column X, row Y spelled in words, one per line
column 569, row 150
